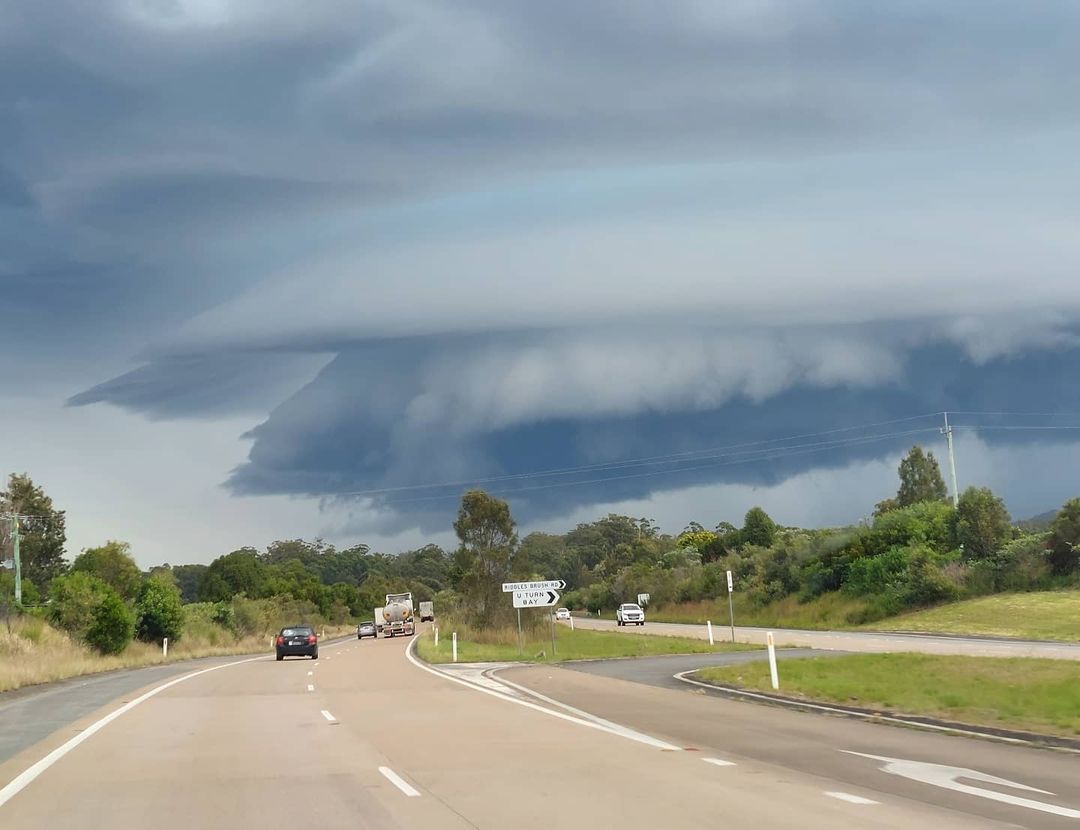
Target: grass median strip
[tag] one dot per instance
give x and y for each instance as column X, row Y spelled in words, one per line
column 1010, row 693
column 501, row 646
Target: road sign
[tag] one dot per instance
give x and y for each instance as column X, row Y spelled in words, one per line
column 535, row 599
column 642, row 599
column 543, row 585
column 7, row 563
column 730, row 584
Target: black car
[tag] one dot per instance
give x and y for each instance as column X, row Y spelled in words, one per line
column 297, row 641
column 367, row 629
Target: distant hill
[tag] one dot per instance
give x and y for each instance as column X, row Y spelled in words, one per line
column 1037, row 524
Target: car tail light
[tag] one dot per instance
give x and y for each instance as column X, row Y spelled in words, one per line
column 312, row 639
column 280, row 640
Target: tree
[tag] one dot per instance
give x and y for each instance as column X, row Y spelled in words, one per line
column 159, row 611
column 981, row 523
column 1065, row 538
column 188, row 578
column 485, row 557
column 42, row 534
column 239, row 572
column 920, row 479
column 113, row 625
column 758, row 528
column 113, row 565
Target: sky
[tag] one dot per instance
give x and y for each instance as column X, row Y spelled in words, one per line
column 277, row 270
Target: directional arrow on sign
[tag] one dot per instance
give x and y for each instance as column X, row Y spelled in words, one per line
column 939, row 775
column 535, row 599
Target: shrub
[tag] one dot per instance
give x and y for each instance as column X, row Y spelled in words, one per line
column 75, row 597
column 159, row 611
column 113, row 625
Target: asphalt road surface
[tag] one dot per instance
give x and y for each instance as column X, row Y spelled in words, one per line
column 367, row 738
column 862, row 641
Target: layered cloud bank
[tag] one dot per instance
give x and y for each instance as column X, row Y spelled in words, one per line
column 418, row 247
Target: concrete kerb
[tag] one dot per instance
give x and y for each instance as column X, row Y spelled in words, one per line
column 1010, row 736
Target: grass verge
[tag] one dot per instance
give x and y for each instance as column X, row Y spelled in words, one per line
column 1031, row 694
column 1042, row 615
column 829, row 611
column 501, row 646
column 32, row 652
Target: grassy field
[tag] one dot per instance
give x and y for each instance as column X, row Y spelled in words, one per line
column 501, row 646
column 32, row 651
column 829, row 611
column 1019, row 693
column 1045, row 615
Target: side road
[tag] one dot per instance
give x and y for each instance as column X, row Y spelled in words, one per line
column 856, row 641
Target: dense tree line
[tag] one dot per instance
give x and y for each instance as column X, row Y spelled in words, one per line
column 916, row 549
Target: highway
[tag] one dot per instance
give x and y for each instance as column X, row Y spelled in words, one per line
column 366, row 737
column 861, row 641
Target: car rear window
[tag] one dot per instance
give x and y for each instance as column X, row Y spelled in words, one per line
column 293, row 632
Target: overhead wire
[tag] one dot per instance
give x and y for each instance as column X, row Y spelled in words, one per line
column 670, row 458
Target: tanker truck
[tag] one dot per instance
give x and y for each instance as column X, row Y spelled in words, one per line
column 398, row 615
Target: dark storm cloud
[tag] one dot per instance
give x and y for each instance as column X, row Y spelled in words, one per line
column 850, row 211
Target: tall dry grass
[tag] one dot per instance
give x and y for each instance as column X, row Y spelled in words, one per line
column 32, row 651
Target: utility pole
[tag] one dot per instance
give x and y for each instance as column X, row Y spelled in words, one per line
column 947, row 432
column 15, row 554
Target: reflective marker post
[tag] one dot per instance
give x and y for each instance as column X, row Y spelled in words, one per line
column 730, row 605
column 708, row 624
column 772, row 660
column 453, row 645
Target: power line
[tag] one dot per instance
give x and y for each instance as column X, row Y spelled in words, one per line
column 779, row 452
column 673, row 458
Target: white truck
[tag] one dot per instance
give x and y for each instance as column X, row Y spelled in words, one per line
column 397, row 615
column 427, row 612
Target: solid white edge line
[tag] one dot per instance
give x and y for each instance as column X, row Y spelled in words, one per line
column 851, row 799
column 613, row 729
column 23, row 779
column 719, row 762
column 866, row 715
column 399, row 782
column 616, row 727
column 328, row 716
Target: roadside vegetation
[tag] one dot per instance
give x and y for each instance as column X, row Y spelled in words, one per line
column 34, row 651
column 501, row 645
column 1011, row 693
column 916, row 552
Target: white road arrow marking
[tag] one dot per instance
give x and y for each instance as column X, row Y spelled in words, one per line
column 939, row 775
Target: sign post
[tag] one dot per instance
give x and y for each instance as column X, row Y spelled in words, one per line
column 541, row 593
column 730, row 605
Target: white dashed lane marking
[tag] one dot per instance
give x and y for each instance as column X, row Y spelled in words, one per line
column 852, row 799
column 399, row 782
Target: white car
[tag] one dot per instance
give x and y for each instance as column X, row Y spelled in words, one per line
column 629, row 613
column 562, row 614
